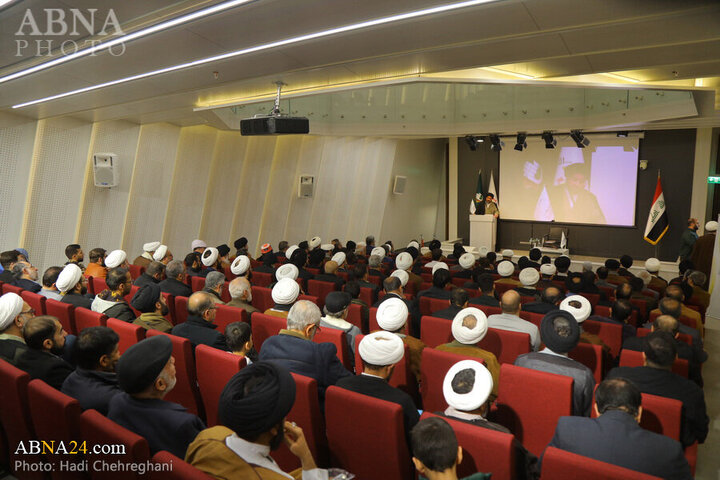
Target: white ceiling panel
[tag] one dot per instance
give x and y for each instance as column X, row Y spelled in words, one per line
column 654, row 32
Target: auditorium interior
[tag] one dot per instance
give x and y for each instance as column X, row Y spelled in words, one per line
column 407, row 102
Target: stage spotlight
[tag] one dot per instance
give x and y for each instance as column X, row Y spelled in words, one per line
column 520, row 142
column 473, row 141
column 496, row 143
column 579, row 138
column 550, row 142
column 623, row 134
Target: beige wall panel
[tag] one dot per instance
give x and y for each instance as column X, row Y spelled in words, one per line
column 251, row 190
column 301, row 209
column 222, row 189
column 189, row 184
column 59, row 165
column 104, row 209
column 17, row 138
column 369, row 199
column 150, row 189
column 415, row 212
column 280, row 189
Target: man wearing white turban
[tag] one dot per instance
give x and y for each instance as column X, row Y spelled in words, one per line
column 73, row 285
column 14, row 313
column 294, row 348
column 467, row 388
column 529, row 277
column 284, row 294
column 380, row 352
column 147, row 256
column 392, row 316
column 505, row 269
column 468, row 328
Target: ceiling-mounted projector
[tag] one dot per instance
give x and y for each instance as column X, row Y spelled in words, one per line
column 275, row 123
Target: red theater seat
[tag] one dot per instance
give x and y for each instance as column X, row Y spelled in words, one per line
column 85, row 318
column 262, row 279
column 197, row 283
column 174, row 468
column 264, row 327
column 15, row 416
column 532, row 422
column 356, row 446
column 435, row 331
column 181, row 311
column 98, row 285
column 506, row 345
column 186, row 391
column 129, row 333
column 354, row 316
column 592, row 357
column 484, row 450
column 136, row 271
column 610, row 333
column 563, row 465
column 214, row 368
column 36, row 302
column 98, row 430
column 320, row 290
column 433, row 368
column 64, row 312
column 262, row 298
column 225, row 315
column 306, row 414
column 55, row 416
column 339, row 339
column 7, row 288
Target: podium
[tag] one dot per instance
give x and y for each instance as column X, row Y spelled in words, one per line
column 483, row 230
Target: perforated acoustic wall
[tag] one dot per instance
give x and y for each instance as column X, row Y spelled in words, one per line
column 17, row 135
column 58, row 172
column 177, row 184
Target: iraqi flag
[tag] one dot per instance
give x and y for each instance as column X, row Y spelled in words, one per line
column 657, row 223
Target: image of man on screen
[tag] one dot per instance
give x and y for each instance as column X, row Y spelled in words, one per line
column 565, row 194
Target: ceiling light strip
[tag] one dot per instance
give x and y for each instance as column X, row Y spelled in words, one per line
column 266, row 46
column 125, row 38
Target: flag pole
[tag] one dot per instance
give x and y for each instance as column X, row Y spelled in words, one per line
column 656, row 245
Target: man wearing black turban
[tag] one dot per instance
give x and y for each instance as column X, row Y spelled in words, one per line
column 560, row 333
column 251, row 413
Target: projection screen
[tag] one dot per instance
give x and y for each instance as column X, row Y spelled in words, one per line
column 592, row 185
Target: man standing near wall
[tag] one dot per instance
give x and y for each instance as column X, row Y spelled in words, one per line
column 688, row 239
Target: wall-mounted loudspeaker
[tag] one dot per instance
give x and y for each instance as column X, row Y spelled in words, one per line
column 105, row 170
column 306, row 186
column 399, row 185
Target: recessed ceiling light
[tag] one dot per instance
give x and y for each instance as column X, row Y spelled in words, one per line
column 266, row 46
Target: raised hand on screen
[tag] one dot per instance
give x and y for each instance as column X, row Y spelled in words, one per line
column 533, row 172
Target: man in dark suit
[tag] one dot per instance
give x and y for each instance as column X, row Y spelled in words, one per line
column 294, row 349
column 487, row 292
column 45, row 338
column 380, row 352
column 616, row 436
column 146, row 373
column 152, row 274
column 666, row 323
column 656, row 378
column 549, row 300
column 199, row 327
column 94, row 382
column 458, row 301
column 175, row 284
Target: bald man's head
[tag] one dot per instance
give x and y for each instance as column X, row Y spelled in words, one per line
column 510, row 302
column 667, row 323
column 199, row 302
